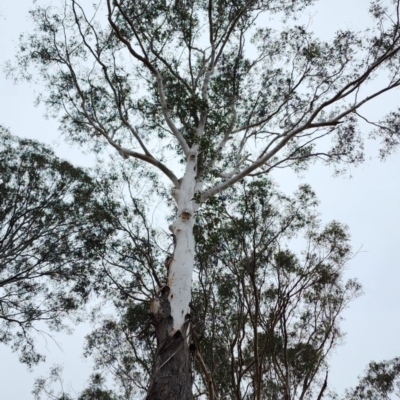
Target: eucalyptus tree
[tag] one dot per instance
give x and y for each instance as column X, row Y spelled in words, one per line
column 52, row 229
column 175, row 79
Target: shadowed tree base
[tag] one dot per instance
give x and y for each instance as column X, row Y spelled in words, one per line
column 172, row 373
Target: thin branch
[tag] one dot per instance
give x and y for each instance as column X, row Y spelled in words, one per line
column 160, row 86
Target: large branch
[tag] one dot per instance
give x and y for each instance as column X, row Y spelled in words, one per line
column 107, row 77
column 288, row 136
column 342, row 93
column 123, row 151
column 150, row 159
column 355, row 84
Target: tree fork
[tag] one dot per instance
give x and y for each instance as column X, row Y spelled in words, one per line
column 172, row 374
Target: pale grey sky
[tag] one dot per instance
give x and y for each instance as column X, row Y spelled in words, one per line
column 369, row 203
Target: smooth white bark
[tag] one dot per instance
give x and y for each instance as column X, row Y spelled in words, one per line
column 181, row 267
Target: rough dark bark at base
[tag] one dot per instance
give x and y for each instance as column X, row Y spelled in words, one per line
column 172, row 373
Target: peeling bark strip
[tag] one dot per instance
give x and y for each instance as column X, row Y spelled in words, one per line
column 181, row 268
column 172, row 374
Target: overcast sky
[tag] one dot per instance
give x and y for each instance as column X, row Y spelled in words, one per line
column 368, row 202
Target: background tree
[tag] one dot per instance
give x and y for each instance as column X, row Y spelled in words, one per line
column 52, row 228
column 195, row 91
column 270, row 295
column 380, row 381
column 95, row 390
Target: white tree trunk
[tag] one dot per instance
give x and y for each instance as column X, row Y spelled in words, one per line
column 181, row 267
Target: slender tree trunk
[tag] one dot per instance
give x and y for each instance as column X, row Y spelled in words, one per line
column 172, row 374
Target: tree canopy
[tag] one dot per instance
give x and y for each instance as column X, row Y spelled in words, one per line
column 52, row 228
column 161, row 78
